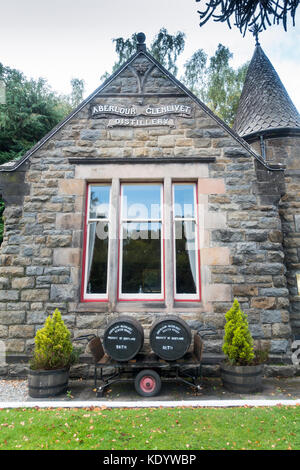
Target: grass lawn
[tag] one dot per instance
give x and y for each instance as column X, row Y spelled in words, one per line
column 151, row 429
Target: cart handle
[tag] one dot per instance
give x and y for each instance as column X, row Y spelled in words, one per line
column 87, row 337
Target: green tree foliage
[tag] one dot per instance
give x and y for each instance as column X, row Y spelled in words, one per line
column 238, row 342
column 217, row 84
column 165, row 48
column 77, row 91
column 30, row 110
column 195, row 74
column 53, row 348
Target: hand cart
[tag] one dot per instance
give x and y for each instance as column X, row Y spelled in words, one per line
column 147, row 371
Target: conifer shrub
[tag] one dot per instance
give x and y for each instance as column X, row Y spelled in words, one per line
column 53, row 347
column 238, row 342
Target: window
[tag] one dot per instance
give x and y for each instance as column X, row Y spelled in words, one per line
column 141, row 242
column 186, row 260
column 125, row 250
column 97, row 242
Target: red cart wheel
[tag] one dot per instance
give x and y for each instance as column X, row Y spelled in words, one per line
column 147, row 383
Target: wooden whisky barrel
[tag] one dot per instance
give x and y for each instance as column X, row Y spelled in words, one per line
column 123, row 338
column 170, row 337
column 242, row 379
column 47, row 383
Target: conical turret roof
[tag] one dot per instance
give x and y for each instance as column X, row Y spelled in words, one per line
column 264, row 103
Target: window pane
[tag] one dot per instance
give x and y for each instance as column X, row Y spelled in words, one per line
column 186, row 261
column 97, row 258
column 184, row 200
column 141, row 269
column 99, row 202
column 141, row 201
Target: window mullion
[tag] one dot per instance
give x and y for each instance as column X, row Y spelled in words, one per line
column 168, row 241
column 113, row 242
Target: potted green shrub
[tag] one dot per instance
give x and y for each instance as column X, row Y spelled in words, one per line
column 53, row 355
column 242, row 370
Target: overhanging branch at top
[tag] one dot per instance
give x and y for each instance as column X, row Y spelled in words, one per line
column 249, row 13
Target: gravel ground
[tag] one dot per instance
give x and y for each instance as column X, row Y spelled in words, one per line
column 13, row 390
column 274, row 388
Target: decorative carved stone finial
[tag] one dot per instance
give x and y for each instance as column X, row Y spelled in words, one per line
column 141, row 38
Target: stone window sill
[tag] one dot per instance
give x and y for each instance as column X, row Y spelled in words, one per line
column 92, row 306
column 125, row 306
column 187, row 304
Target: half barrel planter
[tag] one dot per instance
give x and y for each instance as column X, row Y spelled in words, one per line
column 242, row 379
column 47, row 383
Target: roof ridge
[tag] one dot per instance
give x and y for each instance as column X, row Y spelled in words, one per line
column 219, row 121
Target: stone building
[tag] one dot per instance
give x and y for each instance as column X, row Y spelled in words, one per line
column 268, row 120
column 197, row 213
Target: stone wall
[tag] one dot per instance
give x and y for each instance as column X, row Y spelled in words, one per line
column 240, row 228
column 285, row 150
column 289, row 211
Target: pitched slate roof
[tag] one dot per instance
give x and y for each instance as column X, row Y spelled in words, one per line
column 264, row 103
column 141, row 50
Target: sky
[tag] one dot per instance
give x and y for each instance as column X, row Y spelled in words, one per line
column 63, row 39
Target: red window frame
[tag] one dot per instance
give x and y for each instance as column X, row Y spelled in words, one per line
column 187, row 297
column 141, row 298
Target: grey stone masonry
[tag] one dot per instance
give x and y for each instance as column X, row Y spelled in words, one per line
column 285, row 150
column 240, row 229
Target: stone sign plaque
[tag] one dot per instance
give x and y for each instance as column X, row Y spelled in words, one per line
column 140, row 116
column 139, row 122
